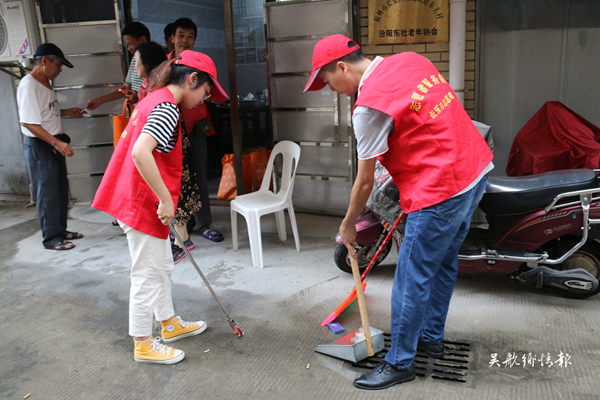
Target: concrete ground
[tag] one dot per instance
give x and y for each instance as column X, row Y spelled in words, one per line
column 65, row 318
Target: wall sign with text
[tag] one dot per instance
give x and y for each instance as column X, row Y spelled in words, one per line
column 408, row 21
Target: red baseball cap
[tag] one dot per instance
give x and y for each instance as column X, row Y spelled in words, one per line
column 203, row 63
column 328, row 49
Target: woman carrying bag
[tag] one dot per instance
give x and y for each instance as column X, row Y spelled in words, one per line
column 145, row 170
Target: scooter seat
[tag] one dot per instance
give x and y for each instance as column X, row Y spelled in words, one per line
column 521, row 194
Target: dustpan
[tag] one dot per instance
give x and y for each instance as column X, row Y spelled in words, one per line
column 353, row 346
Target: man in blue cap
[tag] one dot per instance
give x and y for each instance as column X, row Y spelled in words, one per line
column 46, row 146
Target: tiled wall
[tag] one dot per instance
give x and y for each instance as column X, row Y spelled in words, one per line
column 438, row 53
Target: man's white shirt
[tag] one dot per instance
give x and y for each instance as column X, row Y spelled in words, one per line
column 38, row 105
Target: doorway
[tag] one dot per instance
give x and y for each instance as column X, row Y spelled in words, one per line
column 251, row 70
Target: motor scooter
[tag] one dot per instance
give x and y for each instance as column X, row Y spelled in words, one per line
column 541, row 231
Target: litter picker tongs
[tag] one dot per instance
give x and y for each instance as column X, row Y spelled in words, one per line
column 235, row 328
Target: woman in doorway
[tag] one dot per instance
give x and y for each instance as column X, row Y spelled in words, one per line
column 140, row 188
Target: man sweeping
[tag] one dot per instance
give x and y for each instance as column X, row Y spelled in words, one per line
column 407, row 116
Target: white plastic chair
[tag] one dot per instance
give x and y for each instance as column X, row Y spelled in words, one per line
column 254, row 205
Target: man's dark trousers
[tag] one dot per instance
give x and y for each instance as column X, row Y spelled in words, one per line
column 199, row 152
column 48, row 175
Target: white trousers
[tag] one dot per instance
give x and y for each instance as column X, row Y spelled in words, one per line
column 152, row 265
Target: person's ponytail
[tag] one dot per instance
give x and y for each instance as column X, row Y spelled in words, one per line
column 167, row 73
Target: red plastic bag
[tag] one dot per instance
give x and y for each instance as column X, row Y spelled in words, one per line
column 254, row 164
column 257, row 164
column 228, row 186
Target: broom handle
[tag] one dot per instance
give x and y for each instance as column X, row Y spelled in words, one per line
column 360, row 296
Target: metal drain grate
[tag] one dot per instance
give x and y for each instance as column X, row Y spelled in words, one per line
column 454, row 367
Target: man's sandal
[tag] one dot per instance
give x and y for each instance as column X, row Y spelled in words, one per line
column 73, row 235
column 62, row 245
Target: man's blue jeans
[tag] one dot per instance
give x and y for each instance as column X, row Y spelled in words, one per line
column 426, row 273
column 48, row 175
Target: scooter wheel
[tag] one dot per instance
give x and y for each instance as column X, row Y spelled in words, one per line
column 342, row 259
column 588, row 258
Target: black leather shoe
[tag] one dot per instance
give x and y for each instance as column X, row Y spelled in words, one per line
column 433, row 350
column 383, row 376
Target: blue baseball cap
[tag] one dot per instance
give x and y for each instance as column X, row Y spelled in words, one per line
column 49, row 49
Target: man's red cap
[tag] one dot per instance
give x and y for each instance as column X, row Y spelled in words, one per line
column 328, row 49
column 203, row 63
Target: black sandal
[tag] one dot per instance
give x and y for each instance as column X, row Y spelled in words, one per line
column 62, row 245
column 74, row 235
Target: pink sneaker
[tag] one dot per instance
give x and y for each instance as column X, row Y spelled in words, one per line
column 178, row 254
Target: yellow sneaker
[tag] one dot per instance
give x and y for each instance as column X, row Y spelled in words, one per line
column 177, row 329
column 153, row 352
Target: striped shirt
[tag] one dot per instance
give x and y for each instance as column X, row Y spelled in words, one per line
column 162, row 126
column 132, row 78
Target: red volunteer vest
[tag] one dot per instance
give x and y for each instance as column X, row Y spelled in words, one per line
column 191, row 115
column 123, row 193
column 435, row 150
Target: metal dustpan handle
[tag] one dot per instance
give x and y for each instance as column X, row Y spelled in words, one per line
column 232, row 323
column 230, row 320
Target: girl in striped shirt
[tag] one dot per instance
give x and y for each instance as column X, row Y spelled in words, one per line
column 146, row 170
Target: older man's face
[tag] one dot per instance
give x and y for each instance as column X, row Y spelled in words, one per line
column 52, row 68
